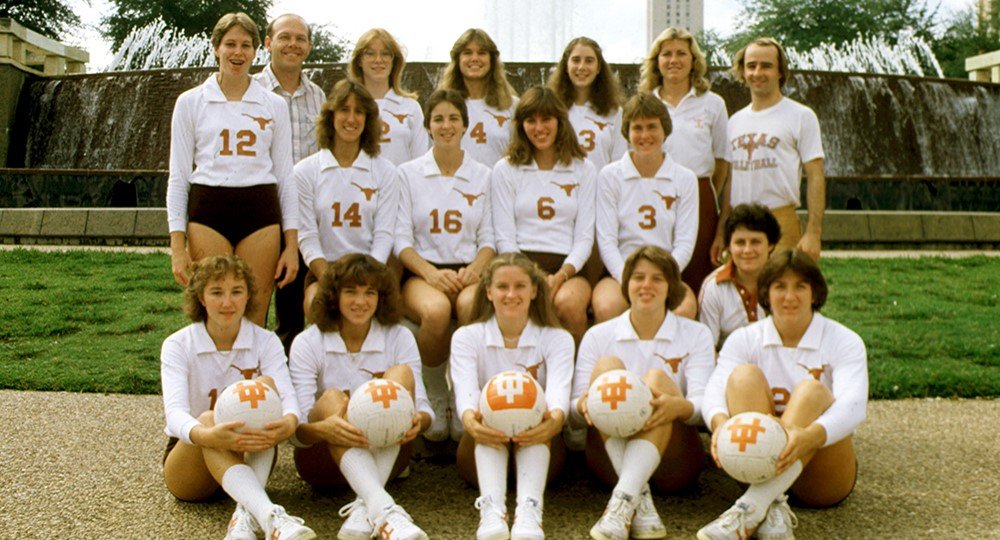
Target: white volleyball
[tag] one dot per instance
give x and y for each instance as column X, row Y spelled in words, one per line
column 748, row 446
column 252, row 402
column 383, row 410
column 512, row 402
column 618, row 403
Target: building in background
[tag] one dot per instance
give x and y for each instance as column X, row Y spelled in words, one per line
column 661, row 14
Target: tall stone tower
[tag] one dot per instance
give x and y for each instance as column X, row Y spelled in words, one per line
column 661, row 14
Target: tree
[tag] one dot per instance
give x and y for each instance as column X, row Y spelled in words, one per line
column 966, row 35
column 804, row 24
column 190, row 17
column 50, row 18
column 326, row 47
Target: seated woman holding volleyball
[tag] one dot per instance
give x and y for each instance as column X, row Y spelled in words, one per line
column 810, row 371
column 516, row 335
column 358, row 346
column 198, row 363
column 674, row 357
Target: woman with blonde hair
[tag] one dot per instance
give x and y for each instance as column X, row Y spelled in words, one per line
column 476, row 72
column 587, row 85
column 230, row 186
column 377, row 62
column 348, row 193
column 674, row 71
column 543, row 202
column 515, row 330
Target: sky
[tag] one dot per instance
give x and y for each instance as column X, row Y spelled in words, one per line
column 427, row 29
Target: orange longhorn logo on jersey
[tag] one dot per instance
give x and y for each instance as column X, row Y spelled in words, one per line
column 674, row 363
column 511, row 391
column 401, row 117
column 383, row 392
column 499, row 118
column 600, row 125
column 668, row 200
column 367, row 191
column 614, row 392
column 247, row 373
column 469, row 198
column 568, row 188
column 745, row 434
column 262, row 122
column 533, row 369
column 815, row 372
column 374, row 374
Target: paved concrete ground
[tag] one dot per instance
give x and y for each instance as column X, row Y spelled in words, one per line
column 88, row 466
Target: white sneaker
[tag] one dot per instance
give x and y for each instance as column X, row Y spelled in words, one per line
column 734, row 524
column 439, row 426
column 779, row 522
column 492, row 520
column 617, row 518
column 242, row 526
column 647, row 523
column 395, row 524
column 356, row 526
column 286, row 527
column 528, row 521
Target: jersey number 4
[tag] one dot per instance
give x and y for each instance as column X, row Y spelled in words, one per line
column 352, row 216
column 478, row 133
column 245, row 139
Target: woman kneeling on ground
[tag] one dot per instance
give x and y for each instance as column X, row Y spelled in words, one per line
column 356, row 338
column 809, row 371
column 198, row 362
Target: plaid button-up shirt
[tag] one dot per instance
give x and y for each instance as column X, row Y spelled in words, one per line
column 303, row 109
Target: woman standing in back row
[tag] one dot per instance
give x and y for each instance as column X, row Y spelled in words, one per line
column 230, row 188
column 377, row 63
column 674, row 71
column 476, row 72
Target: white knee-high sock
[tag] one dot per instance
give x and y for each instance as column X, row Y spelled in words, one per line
column 261, row 462
column 385, row 458
column 639, row 462
column 615, row 446
column 532, row 471
column 242, row 485
column 358, row 467
column 491, row 470
column 761, row 495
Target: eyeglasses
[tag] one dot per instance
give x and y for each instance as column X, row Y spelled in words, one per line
column 372, row 55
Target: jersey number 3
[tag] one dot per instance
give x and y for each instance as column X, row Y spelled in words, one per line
column 648, row 217
column 245, row 139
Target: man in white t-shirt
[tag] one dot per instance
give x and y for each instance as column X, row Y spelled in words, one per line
column 772, row 141
column 289, row 40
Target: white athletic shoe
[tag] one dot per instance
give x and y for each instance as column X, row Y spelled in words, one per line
column 492, row 520
column 779, row 522
column 733, row 524
column 394, row 523
column 528, row 521
column 242, row 526
column 617, row 518
column 647, row 523
column 356, row 526
column 439, row 426
column 286, row 527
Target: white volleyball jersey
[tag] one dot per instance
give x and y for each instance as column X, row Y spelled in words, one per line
column 446, row 220
column 633, row 211
column 216, row 142
column 403, row 135
column 828, row 352
column 193, row 372
column 681, row 348
column 699, row 135
column 599, row 136
column 478, row 353
column 725, row 304
column 346, row 209
column 489, row 131
column 768, row 149
column 320, row 361
column 547, row 211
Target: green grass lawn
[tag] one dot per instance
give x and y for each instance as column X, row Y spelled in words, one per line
column 94, row 322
